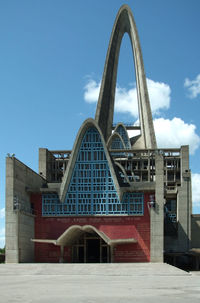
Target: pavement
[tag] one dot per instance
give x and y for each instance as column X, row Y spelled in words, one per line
column 113, row 282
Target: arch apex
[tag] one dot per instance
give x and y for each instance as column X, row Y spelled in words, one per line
column 124, row 22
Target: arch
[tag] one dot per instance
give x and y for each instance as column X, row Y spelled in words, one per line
column 120, row 129
column 69, row 171
column 113, row 137
column 74, row 231
column 124, row 22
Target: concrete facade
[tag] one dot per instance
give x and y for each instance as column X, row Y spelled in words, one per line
column 182, row 242
column 157, row 213
column 20, row 181
column 88, row 196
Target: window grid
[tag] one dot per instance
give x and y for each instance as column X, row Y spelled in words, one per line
column 117, row 144
column 132, row 204
column 91, row 190
column 120, row 130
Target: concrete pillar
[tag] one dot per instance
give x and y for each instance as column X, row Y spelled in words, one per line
column 12, row 217
column 157, row 214
column 184, row 203
column 19, row 219
column 43, row 162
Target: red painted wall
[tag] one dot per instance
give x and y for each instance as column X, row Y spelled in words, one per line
column 115, row 227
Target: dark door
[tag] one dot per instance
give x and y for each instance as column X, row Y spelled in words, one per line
column 93, row 251
column 81, row 254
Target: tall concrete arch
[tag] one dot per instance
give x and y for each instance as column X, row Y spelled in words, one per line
column 124, row 23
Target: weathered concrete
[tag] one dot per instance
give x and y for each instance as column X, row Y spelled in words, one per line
column 182, row 242
column 105, row 108
column 97, row 283
column 12, row 243
column 45, row 164
column 157, row 218
column 19, row 219
column 184, row 202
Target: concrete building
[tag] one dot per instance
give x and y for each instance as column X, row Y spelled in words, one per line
column 111, row 198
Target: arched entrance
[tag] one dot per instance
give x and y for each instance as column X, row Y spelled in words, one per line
column 88, row 244
column 90, row 248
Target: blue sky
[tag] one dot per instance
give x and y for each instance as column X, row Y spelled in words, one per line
column 52, row 56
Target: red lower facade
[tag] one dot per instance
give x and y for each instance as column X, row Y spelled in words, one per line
column 114, row 227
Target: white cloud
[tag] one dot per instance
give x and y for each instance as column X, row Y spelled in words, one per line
column 193, row 86
column 2, row 237
column 91, row 93
column 2, row 232
column 175, row 132
column 196, row 190
column 169, row 133
column 159, row 94
column 126, row 99
column 2, row 213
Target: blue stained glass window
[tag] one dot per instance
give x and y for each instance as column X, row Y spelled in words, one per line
column 117, row 143
column 120, row 130
column 91, row 190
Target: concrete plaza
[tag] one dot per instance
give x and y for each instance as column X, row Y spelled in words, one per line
column 78, row 283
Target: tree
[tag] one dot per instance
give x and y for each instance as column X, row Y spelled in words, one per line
column 2, row 250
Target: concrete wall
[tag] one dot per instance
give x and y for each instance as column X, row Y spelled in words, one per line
column 20, row 180
column 26, row 232
column 45, row 164
column 184, row 202
column 195, row 231
column 182, row 242
column 12, row 241
column 157, row 215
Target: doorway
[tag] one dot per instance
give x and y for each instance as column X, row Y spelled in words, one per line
column 93, row 251
column 90, row 248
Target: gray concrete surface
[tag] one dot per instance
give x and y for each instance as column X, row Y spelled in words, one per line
column 124, row 23
column 20, row 222
column 80, row 283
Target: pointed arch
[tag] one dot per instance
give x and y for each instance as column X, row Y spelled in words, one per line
column 124, row 22
column 89, row 123
column 120, row 129
column 91, row 185
column 116, row 142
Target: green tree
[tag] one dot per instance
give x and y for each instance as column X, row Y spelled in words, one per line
column 2, row 250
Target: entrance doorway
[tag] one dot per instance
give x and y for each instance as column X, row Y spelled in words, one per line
column 93, row 250
column 90, row 248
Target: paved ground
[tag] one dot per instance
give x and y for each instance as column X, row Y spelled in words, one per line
column 108, row 283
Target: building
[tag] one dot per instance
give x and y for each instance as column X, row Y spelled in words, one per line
column 111, row 198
